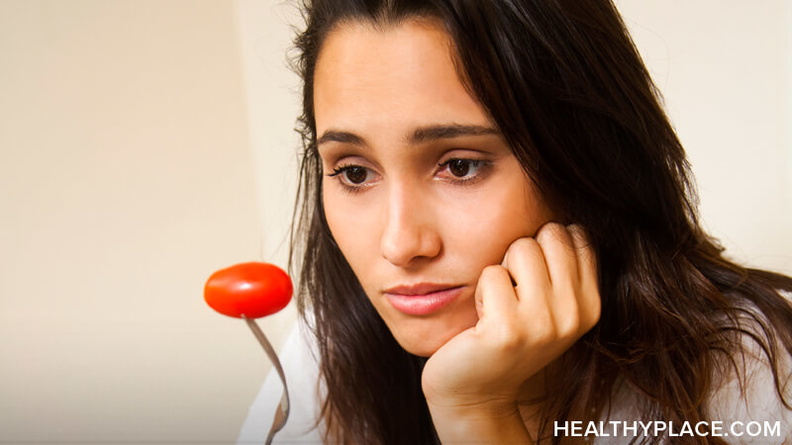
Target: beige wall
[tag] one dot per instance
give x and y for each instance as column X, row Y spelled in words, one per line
column 135, row 144
column 126, row 179
column 725, row 69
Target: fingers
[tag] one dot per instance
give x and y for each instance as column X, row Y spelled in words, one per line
column 525, row 261
column 589, row 301
column 532, row 307
column 529, row 270
column 562, row 265
column 556, row 281
column 494, row 296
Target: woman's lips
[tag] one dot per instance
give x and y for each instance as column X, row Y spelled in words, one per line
column 422, row 299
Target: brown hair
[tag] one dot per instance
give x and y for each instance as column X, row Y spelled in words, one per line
column 565, row 85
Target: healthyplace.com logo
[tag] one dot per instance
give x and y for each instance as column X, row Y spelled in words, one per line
column 656, row 428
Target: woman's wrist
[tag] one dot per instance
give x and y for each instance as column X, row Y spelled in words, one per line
column 486, row 423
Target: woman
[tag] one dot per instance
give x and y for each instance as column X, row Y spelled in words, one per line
column 498, row 236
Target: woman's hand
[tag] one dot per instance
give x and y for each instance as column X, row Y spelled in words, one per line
column 531, row 308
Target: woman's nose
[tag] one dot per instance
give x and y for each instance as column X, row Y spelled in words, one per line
column 411, row 230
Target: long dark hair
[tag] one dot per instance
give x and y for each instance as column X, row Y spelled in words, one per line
column 566, row 87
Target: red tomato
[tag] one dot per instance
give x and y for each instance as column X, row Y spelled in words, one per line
column 253, row 290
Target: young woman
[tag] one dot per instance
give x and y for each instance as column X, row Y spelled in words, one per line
column 498, row 237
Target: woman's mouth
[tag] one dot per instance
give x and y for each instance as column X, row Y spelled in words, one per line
column 423, row 298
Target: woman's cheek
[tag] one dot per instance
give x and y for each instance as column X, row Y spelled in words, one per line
column 485, row 227
column 353, row 224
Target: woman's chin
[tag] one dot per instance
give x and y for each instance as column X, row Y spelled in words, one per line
column 424, row 343
column 423, row 350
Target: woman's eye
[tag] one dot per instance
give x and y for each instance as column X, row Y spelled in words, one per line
column 462, row 168
column 356, row 175
column 351, row 175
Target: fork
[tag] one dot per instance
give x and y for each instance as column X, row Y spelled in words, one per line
column 282, row 412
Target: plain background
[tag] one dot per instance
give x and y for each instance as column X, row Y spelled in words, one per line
column 146, row 143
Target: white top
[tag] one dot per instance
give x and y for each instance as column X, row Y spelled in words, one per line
column 760, row 419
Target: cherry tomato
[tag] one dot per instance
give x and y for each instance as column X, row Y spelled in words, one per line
column 252, row 290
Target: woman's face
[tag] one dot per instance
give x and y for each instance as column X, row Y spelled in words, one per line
column 420, row 190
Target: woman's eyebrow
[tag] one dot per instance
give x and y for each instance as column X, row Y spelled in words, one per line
column 435, row 132
column 343, row 137
column 420, row 135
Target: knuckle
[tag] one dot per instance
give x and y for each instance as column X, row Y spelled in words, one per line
column 594, row 314
column 523, row 246
column 511, row 336
column 544, row 334
column 582, row 241
column 551, row 230
column 554, row 235
column 545, row 339
column 569, row 324
column 576, row 231
column 492, row 272
column 510, row 341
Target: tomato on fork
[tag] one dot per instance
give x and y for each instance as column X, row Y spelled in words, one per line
column 248, row 290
